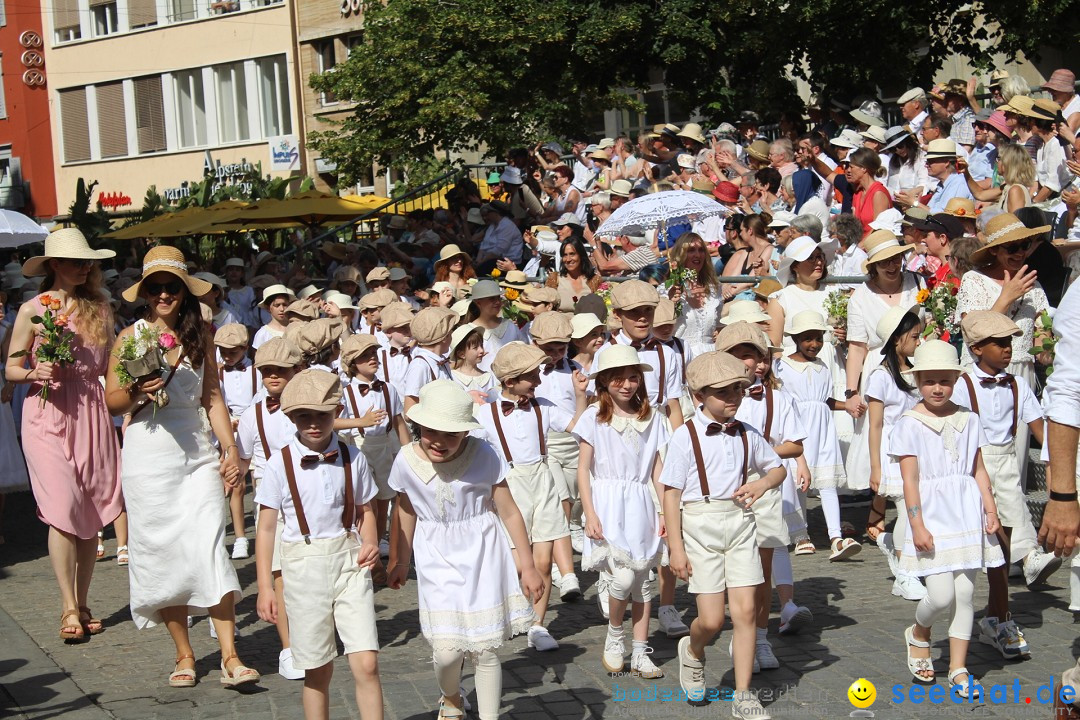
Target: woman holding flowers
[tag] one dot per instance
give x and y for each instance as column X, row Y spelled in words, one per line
column 695, row 291
column 60, row 345
column 174, row 484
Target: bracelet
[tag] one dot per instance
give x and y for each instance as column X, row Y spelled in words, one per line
column 231, row 447
column 1063, row 497
column 989, row 512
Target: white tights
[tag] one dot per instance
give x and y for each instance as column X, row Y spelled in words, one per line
column 830, row 505
column 487, row 675
column 627, row 584
column 946, row 590
column 781, row 567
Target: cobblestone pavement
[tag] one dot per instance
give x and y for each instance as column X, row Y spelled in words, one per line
column 858, row 633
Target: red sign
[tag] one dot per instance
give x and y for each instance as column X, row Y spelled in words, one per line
column 113, row 200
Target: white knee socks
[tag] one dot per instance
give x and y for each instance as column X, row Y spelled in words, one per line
column 487, row 675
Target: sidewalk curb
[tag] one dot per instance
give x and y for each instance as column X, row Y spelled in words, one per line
column 34, row 687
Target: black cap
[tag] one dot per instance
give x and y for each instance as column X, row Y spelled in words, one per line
column 940, row 223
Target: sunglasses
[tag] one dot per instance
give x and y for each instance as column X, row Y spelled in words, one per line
column 1015, row 248
column 172, row 287
column 78, row 262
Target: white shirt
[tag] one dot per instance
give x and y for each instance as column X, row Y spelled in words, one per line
column 996, row 404
column 224, row 316
column 280, row 431
column 1063, row 386
column 373, row 399
column 1050, row 168
column 424, row 367
column 321, row 489
column 848, row 263
column 494, row 338
column 557, row 386
column 896, row 402
column 722, row 455
column 243, row 304
column 393, row 366
column 520, row 428
column 672, row 379
column 711, row 229
column 263, row 334
column 786, row 423
column 240, row 386
column 911, row 437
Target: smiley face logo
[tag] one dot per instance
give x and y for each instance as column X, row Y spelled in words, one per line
column 862, row 693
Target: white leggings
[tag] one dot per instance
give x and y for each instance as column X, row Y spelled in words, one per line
column 781, row 567
column 627, row 584
column 944, row 590
column 487, row 675
column 900, row 527
column 830, row 505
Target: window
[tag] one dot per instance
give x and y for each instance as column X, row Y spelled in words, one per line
column 232, row 102
column 354, row 41
column 112, row 120
column 274, row 96
column 220, row 7
column 3, row 21
column 180, row 10
column 74, row 126
column 150, row 115
column 142, row 13
column 325, row 60
column 265, row 3
column 66, row 20
column 105, row 19
column 190, row 108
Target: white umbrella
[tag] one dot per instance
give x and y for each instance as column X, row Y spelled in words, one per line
column 17, row 229
column 663, row 208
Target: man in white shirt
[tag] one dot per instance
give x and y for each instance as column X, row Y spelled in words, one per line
column 913, row 109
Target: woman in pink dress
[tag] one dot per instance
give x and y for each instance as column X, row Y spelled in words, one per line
column 68, row 439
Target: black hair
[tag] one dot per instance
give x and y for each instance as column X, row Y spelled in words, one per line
column 575, row 241
column 890, row 359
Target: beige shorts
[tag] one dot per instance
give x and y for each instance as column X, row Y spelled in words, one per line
column 275, row 562
column 721, row 544
column 1004, row 471
column 533, row 489
column 325, row 590
column 563, row 461
column 772, row 529
column 379, row 451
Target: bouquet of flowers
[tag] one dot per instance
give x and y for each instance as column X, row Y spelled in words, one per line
column 836, row 304
column 510, row 310
column 939, row 306
column 1045, row 330
column 683, row 277
column 604, row 291
column 142, row 355
column 56, row 339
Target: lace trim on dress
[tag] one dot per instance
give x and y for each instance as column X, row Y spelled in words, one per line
column 948, row 427
column 477, row 630
column 600, row 551
column 961, row 558
column 445, row 471
column 619, row 423
column 815, row 364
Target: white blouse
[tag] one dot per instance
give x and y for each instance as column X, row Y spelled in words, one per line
column 980, row 292
column 696, row 326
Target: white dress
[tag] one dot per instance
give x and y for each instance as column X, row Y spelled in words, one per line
column 624, row 452
column 494, row 338
column 865, row 310
column 881, row 386
column 13, row 475
column 484, row 382
column 952, row 505
column 810, row 385
column 176, row 506
column 467, row 583
column 696, row 326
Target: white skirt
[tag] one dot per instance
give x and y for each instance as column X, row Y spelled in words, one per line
column 857, row 460
column 892, row 482
column 821, row 447
column 627, row 515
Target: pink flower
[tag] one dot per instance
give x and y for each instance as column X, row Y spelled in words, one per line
column 167, row 341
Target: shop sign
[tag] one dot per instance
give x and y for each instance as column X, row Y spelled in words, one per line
column 113, row 200
column 284, row 153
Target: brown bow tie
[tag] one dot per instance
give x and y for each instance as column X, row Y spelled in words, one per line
column 509, row 407
column 647, row 344
column 552, row 367
column 272, row 404
column 444, row 362
column 365, row 389
column 755, row 391
column 716, row 428
column 1003, row 379
column 310, row 461
column 407, row 352
column 234, row 368
column 375, row 327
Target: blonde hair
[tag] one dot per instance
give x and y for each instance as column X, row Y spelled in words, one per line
column 94, row 312
column 1016, row 165
column 707, row 274
column 1014, row 85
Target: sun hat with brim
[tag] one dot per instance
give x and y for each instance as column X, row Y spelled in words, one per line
column 433, row 325
column 234, row 262
column 1042, row 109
column 742, row 333
column 606, row 143
column 800, row 249
column 567, row 219
column 1004, row 229
column 889, row 219
column 1018, row 104
column 1061, row 80
column 620, row 188
column 940, row 149
column 212, row 279
column 461, row 307
column 510, row 174
column 766, row 287
column 341, row 300
column 914, row 214
column 891, row 320
column 686, row 161
column 397, row 273
column 449, row 252
column 806, row 321
column 273, row 290
column 583, row 324
column 461, row 332
column 979, row 325
column 894, row 136
column 875, row 133
column 307, row 291
column 278, row 352
column 781, row 219
column 997, row 121
column 716, row 369
column 940, row 224
column 261, row 282
column 726, row 192
column 600, row 155
column 848, row 138
column 702, row 185
column 759, row 150
column 261, row 259
column 167, row 260
column 396, row 314
column 485, row 289
column 744, row 311
column 397, row 222
column 231, row 335
column 935, row 355
column 515, row 359
column 444, row 406
column 335, row 250
column 880, row 246
column 619, row 356
column 515, row 279
column 66, row 244
column 312, row 389
column 356, row 345
column 869, row 113
column 692, row 131
column 960, row 207
column 475, row 216
column 997, row 77
column 551, row 327
column 631, row 294
column 306, row 311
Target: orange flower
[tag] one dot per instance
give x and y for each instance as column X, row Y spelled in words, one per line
column 46, row 300
column 54, row 305
column 922, row 296
column 512, row 294
column 496, row 272
column 61, row 321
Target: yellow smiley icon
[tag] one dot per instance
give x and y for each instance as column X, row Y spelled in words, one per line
column 862, row 693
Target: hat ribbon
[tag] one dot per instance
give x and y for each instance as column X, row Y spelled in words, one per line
column 1005, row 231
column 175, row 264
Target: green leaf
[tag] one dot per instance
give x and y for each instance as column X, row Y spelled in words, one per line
column 19, row 354
column 36, row 320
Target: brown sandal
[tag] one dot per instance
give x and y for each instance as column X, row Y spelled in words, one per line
column 240, row 676
column 875, row 525
column 182, row 677
column 69, row 630
column 90, row 624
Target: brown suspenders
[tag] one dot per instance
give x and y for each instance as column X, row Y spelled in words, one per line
column 254, row 380
column 1015, row 395
column 290, row 475
column 262, row 430
column 703, row 480
column 495, row 410
column 356, row 410
column 386, row 369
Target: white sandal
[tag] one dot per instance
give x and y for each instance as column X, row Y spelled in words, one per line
column 916, row 665
column 805, row 547
column 965, row 687
column 844, row 548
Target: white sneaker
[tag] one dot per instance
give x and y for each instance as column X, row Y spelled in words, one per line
column 190, row 621
column 614, row 652
column 1004, row 636
column 652, row 576
column 885, row 545
column 285, row 666
column 794, row 618
column 540, row 639
column 764, row 656
column 577, row 539
column 642, row 664
column 384, row 548
column 240, row 548
column 691, row 673
column 1038, row 566
column 1074, row 589
column 745, row 705
column 731, row 645
column 602, row 597
column 570, row 588
column 908, row 587
column 671, row 622
column 556, row 576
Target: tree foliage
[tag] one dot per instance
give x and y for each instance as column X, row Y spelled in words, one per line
column 438, row 77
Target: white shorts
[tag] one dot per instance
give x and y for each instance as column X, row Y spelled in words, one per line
column 721, row 544
column 326, row 590
column 772, row 530
column 563, row 461
column 379, row 451
column 1004, row 471
column 533, row 489
column 275, row 562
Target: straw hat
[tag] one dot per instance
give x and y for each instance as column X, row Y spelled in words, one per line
column 317, row 335
column 621, row 188
column 335, row 250
column 515, row 359
column 460, row 333
column 68, row 243
column 207, row 276
column 880, row 246
column 619, row 356
column 232, row 335
column 278, row 352
column 941, row 148
column 665, row 313
column 759, row 150
column 444, row 406
column 800, row 249
column 979, row 325
column 742, row 333
column 847, row 138
column 433, row 325
column 935, row 355
column 716, row 369
column 960, row 207
column 766, row 287
column 744, row 311
column 397, row 222
column 1004, row 229
column 396, row 314
column 875, row 133
column 514, row 279
column 551, row 327
column 307, row 291
column 806, row 321
column 600, row 155
column 312, row 390
column 160, row 259
column 354, row 346
column 630, row 294
column 583, row 324
column 448, row 253
column 275, row 289
column 692, row 131
column 891, row 320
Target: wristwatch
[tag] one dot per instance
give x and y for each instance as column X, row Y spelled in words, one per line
column 848, row 394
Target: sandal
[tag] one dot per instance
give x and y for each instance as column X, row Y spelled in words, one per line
column 122, row 556
column 448, row 711
column 965, row 687
column 72, row 631
column 183, row 677
column 100, row 546
column 917, row 665
column 242, row 675
column 90, row 624
column 805, row 547
column 875, row 523
column 844, row 548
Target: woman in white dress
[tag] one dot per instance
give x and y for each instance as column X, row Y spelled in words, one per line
column 174, row 485
column 485, row 311
column 696, row 325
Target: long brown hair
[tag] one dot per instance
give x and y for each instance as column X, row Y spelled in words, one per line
column 94, row 313
column 442, row 270
column 706, row 276
column 639, row 402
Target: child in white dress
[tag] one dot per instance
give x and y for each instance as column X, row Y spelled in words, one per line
column 586, row 339
column 951, row 510
column 466, row 352
column 275, row 300
column 621, row 436
column 450, row 487
column 889, row 394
